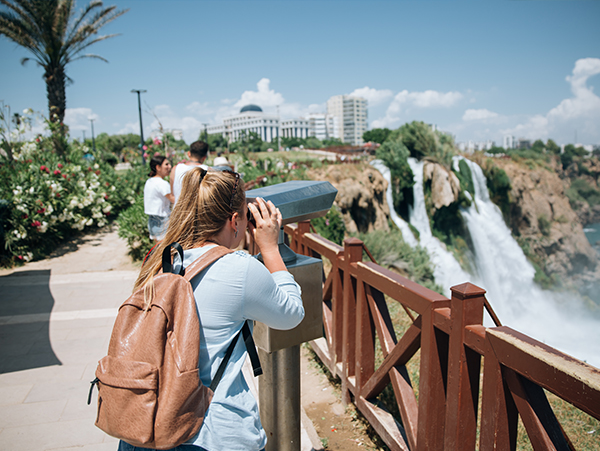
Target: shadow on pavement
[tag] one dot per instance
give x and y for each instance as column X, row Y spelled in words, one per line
column 25, row 306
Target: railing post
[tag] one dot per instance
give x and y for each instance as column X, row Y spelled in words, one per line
column 499, row 415
column 352, row 253
column 462, row 391
column 303, row 227
column 432, row 384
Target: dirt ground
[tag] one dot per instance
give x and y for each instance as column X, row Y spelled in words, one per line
column 339, row 428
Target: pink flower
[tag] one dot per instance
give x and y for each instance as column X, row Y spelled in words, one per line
column 64, row 176
column 36, row 224
column 157, row 141
column 145, row 147
column 145, row 154
column 20, row 257
column 57, row 172
column 41, row 211
column 60, row 166
column 43, row 168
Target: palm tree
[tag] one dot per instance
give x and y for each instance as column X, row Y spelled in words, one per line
column 55, row 35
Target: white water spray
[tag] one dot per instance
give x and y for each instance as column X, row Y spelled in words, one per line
column 502, row 270
column 557, row 319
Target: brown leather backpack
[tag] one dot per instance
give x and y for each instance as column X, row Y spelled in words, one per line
column 149, row 391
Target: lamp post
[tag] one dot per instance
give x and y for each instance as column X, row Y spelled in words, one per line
column 278, row 130
column 139, row 91
column 93, row 139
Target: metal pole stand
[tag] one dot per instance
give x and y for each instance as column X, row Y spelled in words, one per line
column 279, row 398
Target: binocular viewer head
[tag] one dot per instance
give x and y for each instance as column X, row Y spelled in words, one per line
column 297, row 200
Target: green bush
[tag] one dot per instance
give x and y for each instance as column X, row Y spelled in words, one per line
column 394, row 155
column 499, row 186
column 390, row 250
column 331, row 226
column 133, row 227
column 49, row 198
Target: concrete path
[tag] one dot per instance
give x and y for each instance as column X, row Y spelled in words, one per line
column 56, row 317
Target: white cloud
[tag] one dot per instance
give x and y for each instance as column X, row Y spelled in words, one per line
column 373, row 96
column 478, row 115
column 79, row 118
column 264, row 97
column 578, row 114
column 406, row 101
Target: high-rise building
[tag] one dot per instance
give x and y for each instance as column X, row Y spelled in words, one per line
column 352, row 114
column 323, row 126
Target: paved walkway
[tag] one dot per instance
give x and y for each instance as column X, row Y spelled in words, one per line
column 56, row 316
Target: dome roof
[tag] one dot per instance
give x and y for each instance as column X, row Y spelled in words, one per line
column 251, row 107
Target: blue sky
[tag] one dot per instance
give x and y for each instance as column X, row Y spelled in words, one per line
column 477, row 69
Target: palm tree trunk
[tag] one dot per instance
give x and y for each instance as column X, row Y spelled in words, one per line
column 57, row 103
column 55, row 88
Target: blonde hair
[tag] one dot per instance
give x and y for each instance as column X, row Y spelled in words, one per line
column 208, row 200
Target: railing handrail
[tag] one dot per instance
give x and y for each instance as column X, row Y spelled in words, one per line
column 452, row 340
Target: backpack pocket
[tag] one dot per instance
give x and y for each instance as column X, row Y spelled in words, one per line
column 127, row 399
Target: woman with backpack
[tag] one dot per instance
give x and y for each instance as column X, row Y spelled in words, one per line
column 212, row 211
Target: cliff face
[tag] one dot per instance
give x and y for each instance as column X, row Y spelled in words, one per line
column 541, row 214
column 361, row 195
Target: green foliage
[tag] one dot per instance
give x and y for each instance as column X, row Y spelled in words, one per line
column 391, row 251
column 49, row 198
column 332, row 142
column 581, row 191
column 571, row 154
column 499, row 187
column 216, row 142
column 331, row 226
column 394, row 155
column 249, row 142
column 465, row 178
column 544, row 225
column 133, row 227
column 538, row 146
column 552, row 147
column 376, row 135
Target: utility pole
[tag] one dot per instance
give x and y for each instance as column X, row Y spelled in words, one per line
column 93, row 139
column 139, row 91
column 278, row 130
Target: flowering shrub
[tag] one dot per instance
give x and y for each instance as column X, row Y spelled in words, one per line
column 50, row 198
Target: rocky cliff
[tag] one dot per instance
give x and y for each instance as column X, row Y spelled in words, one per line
column 361, row 195
column 541, row 218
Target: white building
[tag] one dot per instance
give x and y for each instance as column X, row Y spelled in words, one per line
column 251, row 119
column 352, row 114
column 295, row 128
column 473, row 146
column 323, row 126
column 509, row 142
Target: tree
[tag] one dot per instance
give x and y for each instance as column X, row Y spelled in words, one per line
column 52, row 32
column 552, row 147
column 377, row 135
column 538, row 146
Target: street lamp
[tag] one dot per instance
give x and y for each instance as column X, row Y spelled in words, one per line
column 139, row 91
column 93, row 139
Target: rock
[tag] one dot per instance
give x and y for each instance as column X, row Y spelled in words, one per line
column 542, row 215
column 445, row 186
column 361, row 195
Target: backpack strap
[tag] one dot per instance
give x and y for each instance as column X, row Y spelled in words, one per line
column 250, row 346
column 193, row 270
column 205, row 260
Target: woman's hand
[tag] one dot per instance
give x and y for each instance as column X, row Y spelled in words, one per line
column 266, row 233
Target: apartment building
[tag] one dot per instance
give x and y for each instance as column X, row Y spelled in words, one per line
column 352, row 114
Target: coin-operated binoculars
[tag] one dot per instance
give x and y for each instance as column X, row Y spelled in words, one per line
column 279, row 350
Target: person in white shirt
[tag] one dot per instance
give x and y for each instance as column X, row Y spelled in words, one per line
column 197, row 154
column 237, row 288
column 158, row 197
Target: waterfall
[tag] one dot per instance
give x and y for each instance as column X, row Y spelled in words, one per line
column 401, row 223
column 557, row 319
column 446, row 269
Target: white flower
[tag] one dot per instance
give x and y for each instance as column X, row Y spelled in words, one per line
column 107, row 209
column 81, row 184
column 112, row 188
column 73, row 202
column 80, row 206
column 43, row 227
column 101, row 223
column 96, row 166
column 49, row 210
column 32, row 190
column 89, row 222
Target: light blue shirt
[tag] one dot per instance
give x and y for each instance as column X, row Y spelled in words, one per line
column 234, row 289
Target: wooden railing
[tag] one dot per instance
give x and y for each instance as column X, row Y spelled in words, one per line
column 452, row 342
